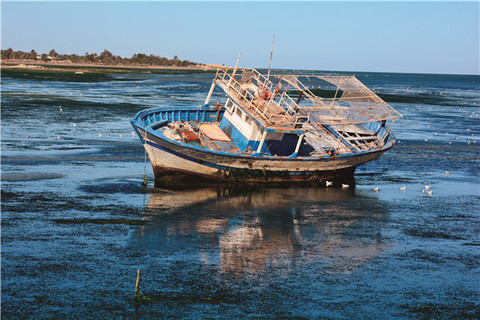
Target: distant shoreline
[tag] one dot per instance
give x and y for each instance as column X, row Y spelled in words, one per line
column 69, row 67
column 82, row 68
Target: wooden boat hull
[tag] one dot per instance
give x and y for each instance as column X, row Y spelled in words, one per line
column 176, row 165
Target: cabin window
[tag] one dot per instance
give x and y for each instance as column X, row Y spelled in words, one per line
column 249, row 121
column 229, row 105
column 239, row 112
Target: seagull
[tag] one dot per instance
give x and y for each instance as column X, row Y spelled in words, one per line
column 61, row 110
column 426, row 139
column 429, row 192
column 376, row 189
column 27, row 137
column 403, row 188
column 121, row 136
column 329, row 183
column 423, row 190
column 427, row 187
column 133, row 133
column 344, row 186
column 447, row 173
column 100, row 135
column 74, row 124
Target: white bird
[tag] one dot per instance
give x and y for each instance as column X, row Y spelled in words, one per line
column 100, row 135
column 121, row 136
column 403, row 188
column 27, row 137
column 376, row 189
column 133, row 133
column 61, row 110
column 426, row 139
column 344, row 186
column 329, row 183
column 423, row 190
column 429, row 192
column 447, row 173
column 427, row 187
column 74, row 124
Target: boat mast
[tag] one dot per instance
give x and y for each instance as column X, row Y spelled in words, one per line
column 271, row 54
column 234, row 70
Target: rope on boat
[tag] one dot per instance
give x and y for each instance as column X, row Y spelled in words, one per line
column 144, row 183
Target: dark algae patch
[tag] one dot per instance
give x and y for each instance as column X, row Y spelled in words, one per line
column 100, row 221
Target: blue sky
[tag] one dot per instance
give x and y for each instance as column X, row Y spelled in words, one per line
column 420, row 37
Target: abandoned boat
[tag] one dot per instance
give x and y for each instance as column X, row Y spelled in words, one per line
column 270, row 129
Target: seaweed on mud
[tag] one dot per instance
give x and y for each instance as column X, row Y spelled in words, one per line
column 432, row 234
column 424, row 255
column 7, row 195
column 100, row 221
column 48, row 202
column 433, row 310
column 109, row 188
column 471, row 244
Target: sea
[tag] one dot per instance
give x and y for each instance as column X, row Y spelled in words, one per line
column 78, row 229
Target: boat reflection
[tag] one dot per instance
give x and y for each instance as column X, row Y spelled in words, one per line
column 251, row 231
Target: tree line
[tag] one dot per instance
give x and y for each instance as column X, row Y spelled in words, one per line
column 106, row 57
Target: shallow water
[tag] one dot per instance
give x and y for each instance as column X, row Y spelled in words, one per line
column 77, row 224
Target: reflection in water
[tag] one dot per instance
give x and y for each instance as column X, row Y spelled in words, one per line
column 251, row 231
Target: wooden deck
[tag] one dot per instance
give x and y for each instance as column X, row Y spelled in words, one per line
column 213, row 138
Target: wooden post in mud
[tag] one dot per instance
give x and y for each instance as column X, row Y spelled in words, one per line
column 137, row 287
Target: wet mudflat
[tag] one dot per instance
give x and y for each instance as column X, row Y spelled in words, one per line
column 77, row 223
